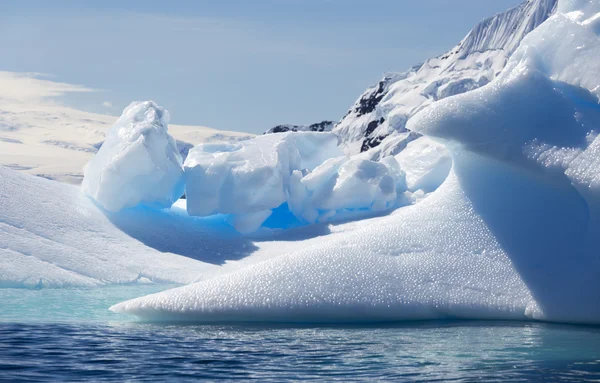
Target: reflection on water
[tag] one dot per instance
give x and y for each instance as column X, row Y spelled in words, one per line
column 465, row 351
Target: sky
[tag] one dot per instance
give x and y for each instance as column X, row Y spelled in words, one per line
column 230, row 65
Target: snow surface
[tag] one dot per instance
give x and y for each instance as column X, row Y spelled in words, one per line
column 512, row 233
column 139, row 162
column 509, row 228
column 40, row 136
column 52, row 235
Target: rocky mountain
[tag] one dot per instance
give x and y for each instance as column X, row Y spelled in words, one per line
column 376, row 122
column 323, row 126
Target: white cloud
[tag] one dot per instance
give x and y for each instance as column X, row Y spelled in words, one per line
column 30, row 87
column 41, row 136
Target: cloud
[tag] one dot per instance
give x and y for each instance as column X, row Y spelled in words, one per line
column 107, row 104
column 31, row 87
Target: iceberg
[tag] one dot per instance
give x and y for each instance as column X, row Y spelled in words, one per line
column 138, row 163
column 303, row 170
column 512, row 232
column 346, row 188
column 250, row 178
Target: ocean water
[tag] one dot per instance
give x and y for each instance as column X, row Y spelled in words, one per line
column 68, row 335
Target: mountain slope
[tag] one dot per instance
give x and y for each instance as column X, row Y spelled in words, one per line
column 379, row 116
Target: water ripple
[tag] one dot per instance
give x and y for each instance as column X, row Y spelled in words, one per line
column 450, row 351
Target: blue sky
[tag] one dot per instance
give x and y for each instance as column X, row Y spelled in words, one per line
column 234, row 65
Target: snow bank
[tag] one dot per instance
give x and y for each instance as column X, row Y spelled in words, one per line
column 512, row 233
column 139, row 162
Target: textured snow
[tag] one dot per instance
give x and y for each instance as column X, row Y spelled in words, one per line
column 432, row 260
column 512, row 233
column 139, row 162
column 381, row 113
column 52, row 235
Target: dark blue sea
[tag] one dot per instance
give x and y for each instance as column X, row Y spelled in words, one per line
column 69, row 336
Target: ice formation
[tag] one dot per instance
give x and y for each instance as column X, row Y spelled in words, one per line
column 306, row 171
column 138, row 163
column 512, row 233
column 346, row 188
column 250, row 178
column 426, row 164
column 510, row 228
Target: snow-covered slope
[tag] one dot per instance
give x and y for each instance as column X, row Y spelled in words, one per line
column 384, row 109
column 323, row 126
column 52, row 235
column 40, row 136
column 512, row 233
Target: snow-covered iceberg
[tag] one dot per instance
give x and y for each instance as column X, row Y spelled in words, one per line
column 138, row 163
column 346, row 188
column 512, row 233
column 304, row 170
column 250, row 178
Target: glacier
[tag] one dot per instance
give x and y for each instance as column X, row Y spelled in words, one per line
column 511, row 233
